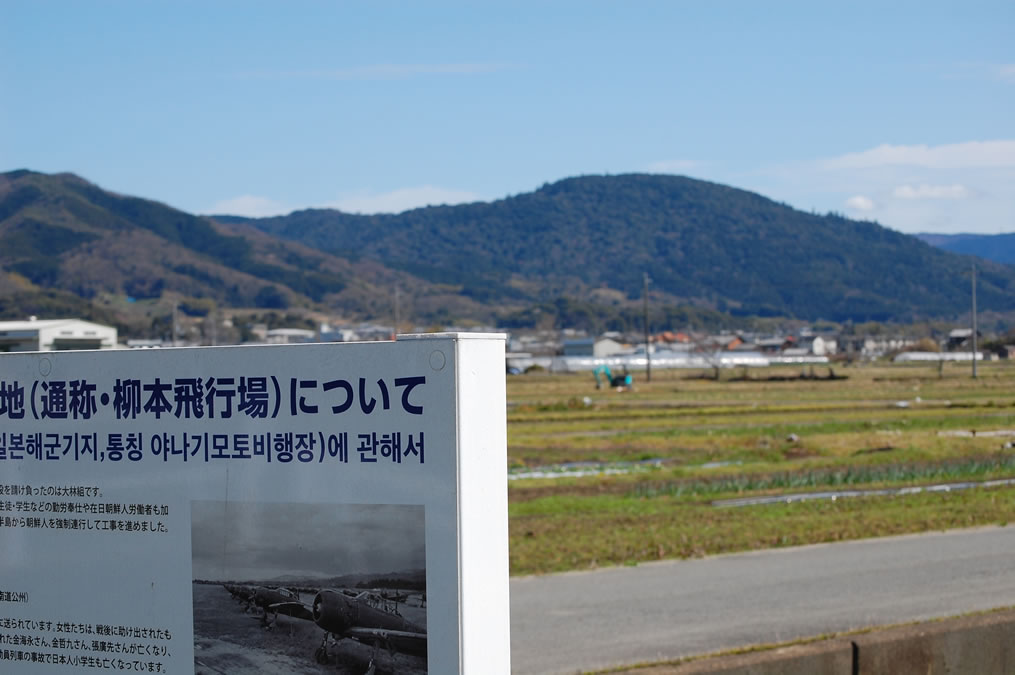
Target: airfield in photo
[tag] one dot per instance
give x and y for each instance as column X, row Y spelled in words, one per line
column 308, row 588
column 232, row 634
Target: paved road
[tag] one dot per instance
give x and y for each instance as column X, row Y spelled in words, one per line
column 577, row 621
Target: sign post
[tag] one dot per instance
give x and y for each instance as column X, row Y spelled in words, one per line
column 185, row 510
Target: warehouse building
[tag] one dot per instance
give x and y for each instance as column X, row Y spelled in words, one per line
column 49, row 335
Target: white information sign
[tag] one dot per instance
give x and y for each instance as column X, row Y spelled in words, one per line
column 323, row 508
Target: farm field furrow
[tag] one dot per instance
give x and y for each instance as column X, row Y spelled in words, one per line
column 682, row 441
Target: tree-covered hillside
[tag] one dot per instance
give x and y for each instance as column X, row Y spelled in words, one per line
column 699, row 242
column 571, row 254
column 996, row 247
column 69, row 247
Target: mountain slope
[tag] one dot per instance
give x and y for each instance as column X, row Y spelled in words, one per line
column 61, row 237
column 997, row 247
column 699, row 242
column 576, row 250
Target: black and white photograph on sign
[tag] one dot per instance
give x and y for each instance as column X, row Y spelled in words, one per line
column 308, row 588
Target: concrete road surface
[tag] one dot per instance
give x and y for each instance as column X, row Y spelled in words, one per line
column 567, row 623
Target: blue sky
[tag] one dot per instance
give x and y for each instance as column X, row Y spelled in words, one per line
column 899, row 112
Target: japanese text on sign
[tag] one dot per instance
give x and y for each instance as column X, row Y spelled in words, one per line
column 256, row 397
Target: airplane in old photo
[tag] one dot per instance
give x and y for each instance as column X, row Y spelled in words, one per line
column 341, row 614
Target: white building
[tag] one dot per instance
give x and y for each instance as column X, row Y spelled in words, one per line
column 823, row 346
column 50, row 335
column 587, row 346
column 289, row 336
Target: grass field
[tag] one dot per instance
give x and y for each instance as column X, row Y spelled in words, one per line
column 679, row 443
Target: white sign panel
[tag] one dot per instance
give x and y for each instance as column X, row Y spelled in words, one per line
column 307, row 509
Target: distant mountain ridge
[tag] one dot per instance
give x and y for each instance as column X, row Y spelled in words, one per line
column 700, row 243
column 70, row 247
column 576, row 249
column 997, row 247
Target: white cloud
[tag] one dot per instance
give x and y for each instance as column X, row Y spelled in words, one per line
column 400, row 200
column 961, row 187
column 980, row 71
column 673, row 166
column 971, row 155
column 1006, row 72
column 395, row 201
column 925, row 191
column 250, row 206
column 860, row 203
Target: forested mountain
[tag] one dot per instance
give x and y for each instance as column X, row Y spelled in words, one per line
column 573, row 253
column 996, row 247
column 701, row 243
column 69, row 247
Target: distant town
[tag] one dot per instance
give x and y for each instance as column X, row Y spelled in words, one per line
column 555, row 350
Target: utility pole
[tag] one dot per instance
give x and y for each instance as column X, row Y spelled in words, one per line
column 974, row 321
column 397, row 309
column 175, row 306
column 648, row 347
